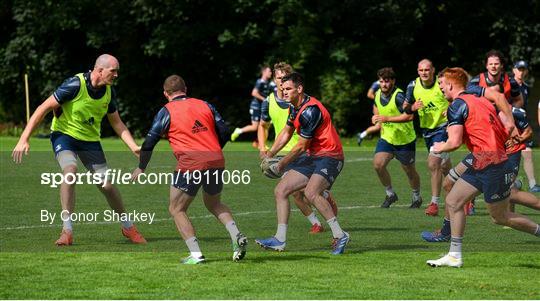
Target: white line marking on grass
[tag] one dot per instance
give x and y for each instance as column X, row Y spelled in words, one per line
column 191, row 217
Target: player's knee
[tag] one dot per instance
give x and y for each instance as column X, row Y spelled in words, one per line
column 311, row 194
column 174, row 209
column 379, row 166
column 281, row 192
column 452, row 205
column 69, row 169
column 434, row 166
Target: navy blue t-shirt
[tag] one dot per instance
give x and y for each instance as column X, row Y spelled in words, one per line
column 310, row 119
column 264, row 88
column 160, row 127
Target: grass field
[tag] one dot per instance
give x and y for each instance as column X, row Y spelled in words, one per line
column 385, row 259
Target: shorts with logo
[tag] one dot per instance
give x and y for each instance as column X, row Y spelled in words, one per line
column 514, row 160
column 255, row 110
column 404, row 153
column 329, row 168
column 90, row 152
column 494, row 181
column 211, row 181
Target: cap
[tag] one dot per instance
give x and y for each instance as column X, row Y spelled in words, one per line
column 521, row 64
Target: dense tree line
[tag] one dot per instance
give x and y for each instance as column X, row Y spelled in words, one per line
column 217, row 47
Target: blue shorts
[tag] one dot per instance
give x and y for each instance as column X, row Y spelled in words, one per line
column 529, row 143
column 404, row 153
column 211, row 181
column 514, row 160
column 494, row 181
column 438, row 136
column 90, row 152
column 255, row 110
column 329, row 168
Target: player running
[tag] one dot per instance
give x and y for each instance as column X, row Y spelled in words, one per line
column 274, row 111
column 374, row 128
column 513, row 151
column 473, row 119
column 263, row 87
column 398, row 138
column 313, row 164
column 196, row 133
column 425, row 97
column 79, row 105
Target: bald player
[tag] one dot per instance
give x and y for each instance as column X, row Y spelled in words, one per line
column 425, row 97
column 79, row 105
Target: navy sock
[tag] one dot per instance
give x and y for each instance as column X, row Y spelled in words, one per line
column 445, row 230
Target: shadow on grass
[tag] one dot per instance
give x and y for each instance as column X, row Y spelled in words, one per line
column 364, row 229
column 528, row 265
column 276, row 257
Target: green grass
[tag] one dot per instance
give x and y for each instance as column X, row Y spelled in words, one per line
column 385, row 259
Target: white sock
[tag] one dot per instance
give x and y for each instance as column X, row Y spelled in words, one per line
column 435, row 199
column 127, row 224
column 238, row 131
column 532, row 182
column 193, row 246
column 66, row 221
column 389, row 191
column 281, row 233
column 233, row 230
column 455, row 247
column 363, row 134
column 337, row 232
column 313, row 219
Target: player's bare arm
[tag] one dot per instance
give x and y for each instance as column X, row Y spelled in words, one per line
column 23, row 146
column 255, row 93
column 123, row 132
column 281, row 140
column 404, row 117
column 455, row 139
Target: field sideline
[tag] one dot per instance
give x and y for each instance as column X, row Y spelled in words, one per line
column 385, row 259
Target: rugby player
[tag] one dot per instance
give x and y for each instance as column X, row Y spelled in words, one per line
column 79, row 105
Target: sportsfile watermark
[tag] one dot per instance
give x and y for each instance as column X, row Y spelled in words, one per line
column 118, row 177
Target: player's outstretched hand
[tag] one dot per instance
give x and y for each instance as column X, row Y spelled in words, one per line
column 21, row 148
column 135, row 174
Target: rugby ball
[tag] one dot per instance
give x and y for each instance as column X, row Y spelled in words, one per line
column 269, row 168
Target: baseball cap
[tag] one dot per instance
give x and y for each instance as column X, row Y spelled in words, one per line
column 521, row 64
